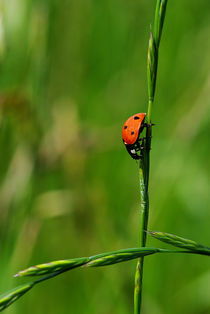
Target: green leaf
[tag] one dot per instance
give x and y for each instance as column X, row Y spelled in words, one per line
column 52, row 267
column 159, row 20
column 120, row 256
column 181, row 242
column 152, row 61
column 96, row 260
column 11, row 296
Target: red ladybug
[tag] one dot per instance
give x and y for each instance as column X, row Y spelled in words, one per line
column 131, row 130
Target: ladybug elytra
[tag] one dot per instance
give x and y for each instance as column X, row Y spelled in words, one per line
column 131, row 130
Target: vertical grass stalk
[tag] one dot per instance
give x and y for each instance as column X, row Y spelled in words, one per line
column 144, row 164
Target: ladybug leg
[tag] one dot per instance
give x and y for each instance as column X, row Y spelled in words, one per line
column 140, row 147
column 145, row 125
column 148, row 124
column 143, row 143
column 144, row 138
column 132, row 150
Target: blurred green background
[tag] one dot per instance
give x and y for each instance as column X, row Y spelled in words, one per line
column 71, row 73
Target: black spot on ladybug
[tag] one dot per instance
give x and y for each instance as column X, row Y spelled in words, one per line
column 125, row 127
column 136, row 118
column 132, row 133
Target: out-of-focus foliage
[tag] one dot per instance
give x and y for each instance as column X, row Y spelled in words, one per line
column 71, row 73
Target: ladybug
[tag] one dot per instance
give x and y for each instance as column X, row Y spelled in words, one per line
column 131, row 130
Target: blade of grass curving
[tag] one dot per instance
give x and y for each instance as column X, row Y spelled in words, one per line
column 120, row 256
column 180, row 242
column 144, row 165
column 102, row 259
column 53, row 267
column 159, row 20
column 13, row 295
column 152, row 62
column 144, row 206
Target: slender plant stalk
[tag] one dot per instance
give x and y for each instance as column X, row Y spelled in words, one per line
column 144, row 206
column 55, row 268
column 144, row 164
column 102, row 259
column 180, row 242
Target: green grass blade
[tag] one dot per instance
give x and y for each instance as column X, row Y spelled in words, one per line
column 56, row 268
column 11, row 296
column 152, row 65
column 52, row 267
column 180, row 242
column 96, row 260
column 152, row 61
column 152, row 56
column 121, row 256
column 159, row 20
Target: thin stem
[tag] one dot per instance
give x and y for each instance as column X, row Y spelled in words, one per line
column 149, row 112
column 144, row 213
column 144, row 165
column 143, row 204
column 52, row 275
column 138, row 286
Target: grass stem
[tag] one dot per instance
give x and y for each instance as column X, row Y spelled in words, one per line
column 144, row 165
